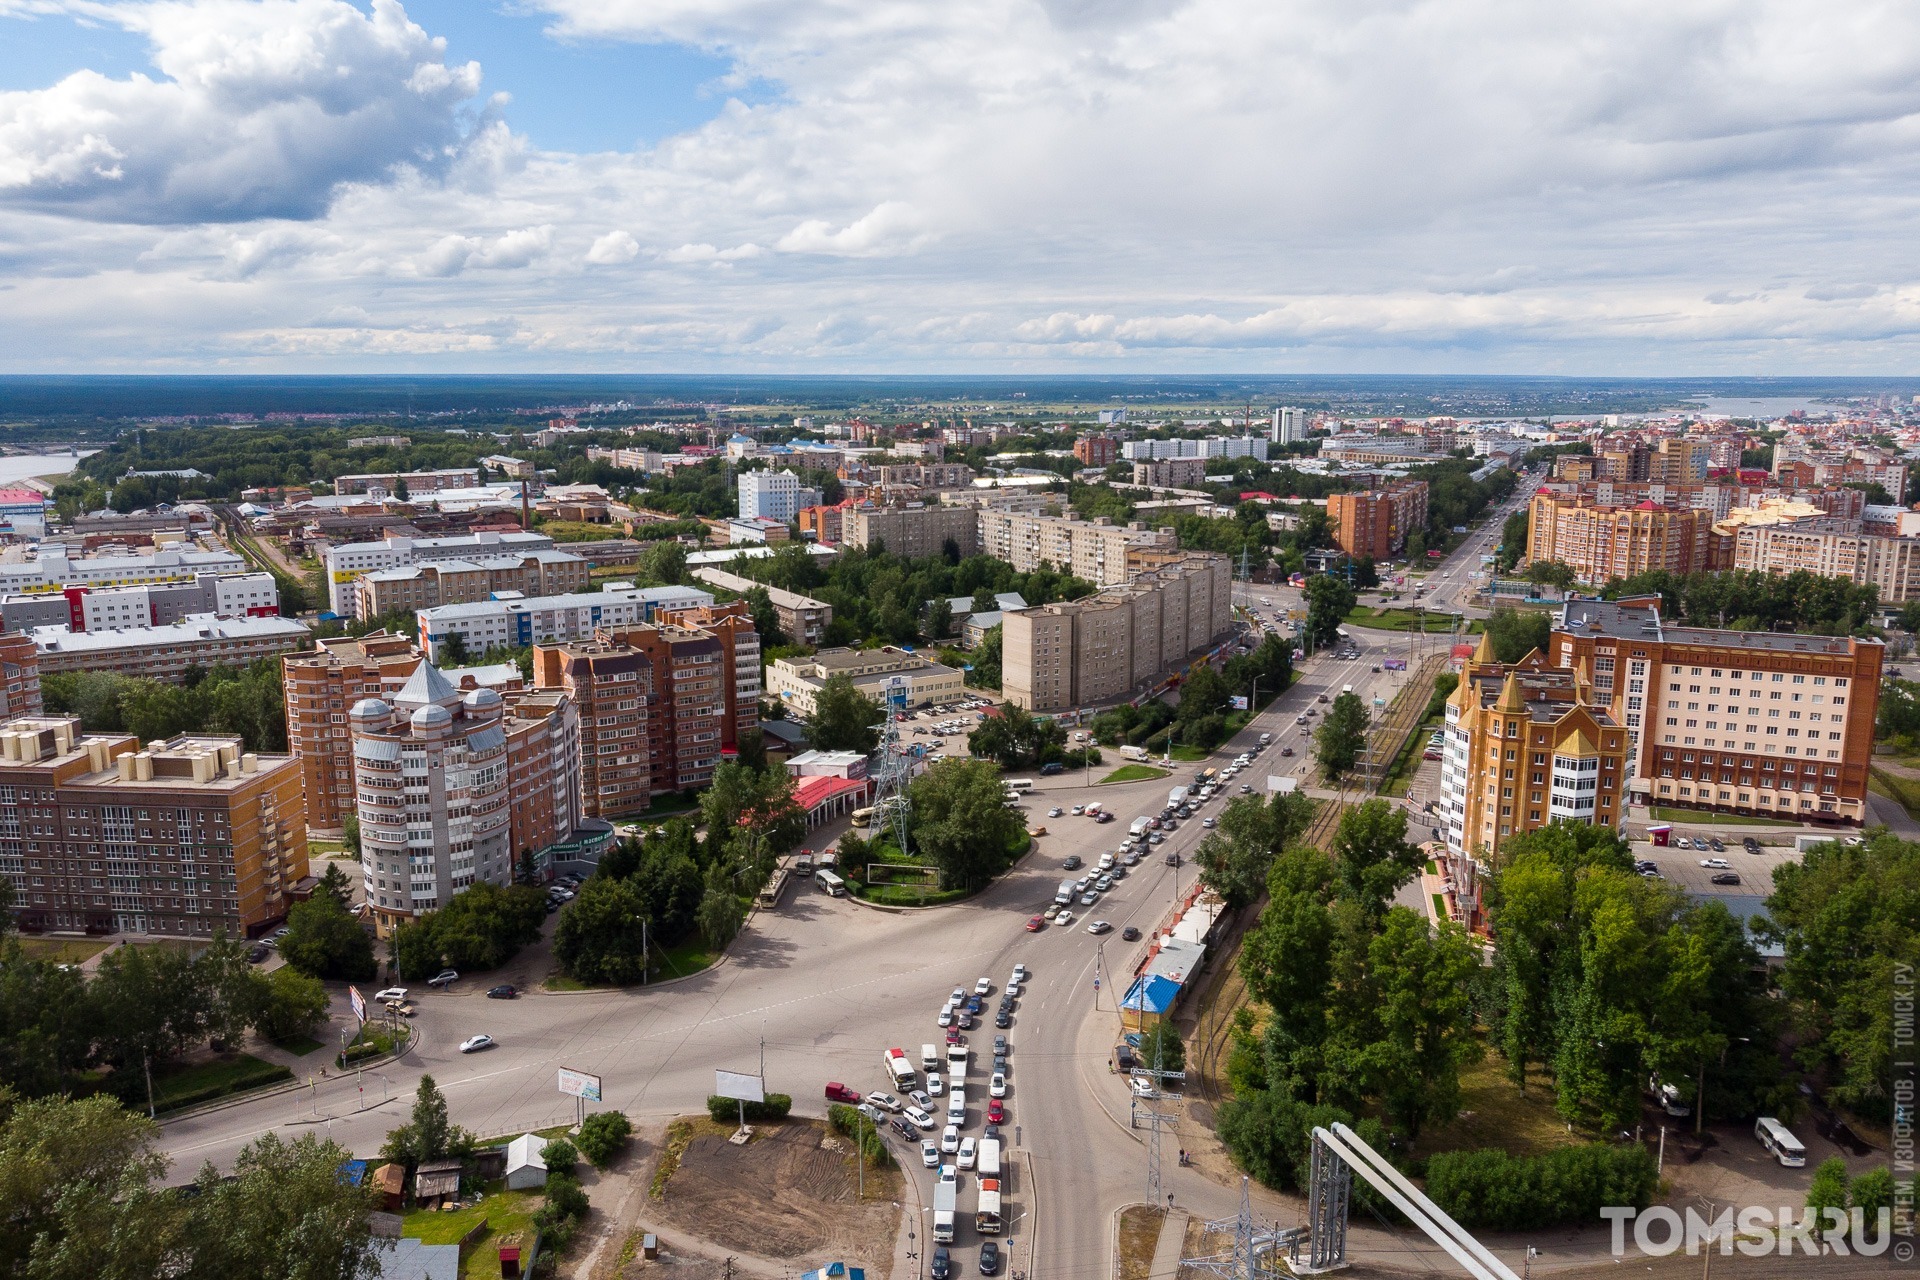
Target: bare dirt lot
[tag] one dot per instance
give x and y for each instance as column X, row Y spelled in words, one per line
column 788, row 1196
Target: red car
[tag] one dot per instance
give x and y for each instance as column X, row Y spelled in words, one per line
column 953, row 1035
column 996, row 1112
column 837, row 1092
column 1036, row 923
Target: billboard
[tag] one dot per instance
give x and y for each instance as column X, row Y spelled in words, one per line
column 359, row 1003
column 1239, row 702
column 739, row 1085
column 578, row 1084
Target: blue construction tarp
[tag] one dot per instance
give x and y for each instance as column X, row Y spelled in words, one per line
column 836, row 1271
column 1151, row 994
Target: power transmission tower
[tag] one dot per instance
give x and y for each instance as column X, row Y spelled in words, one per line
column 1155, row 1121
column 1256, row 1249
column 894, row 772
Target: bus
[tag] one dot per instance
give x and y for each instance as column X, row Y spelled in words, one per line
column 862, row 818
column 770, row 896
column 1779, row 1142
column 830, row 884
column 1017, row 785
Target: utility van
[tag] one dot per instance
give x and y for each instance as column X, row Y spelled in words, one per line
column 929, row 1058
column 1780, row 1142
column 1064, row 895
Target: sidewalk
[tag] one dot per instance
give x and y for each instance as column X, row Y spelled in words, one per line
column 1173, row 1239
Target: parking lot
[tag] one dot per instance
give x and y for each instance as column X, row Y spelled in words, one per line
column 1682, row 867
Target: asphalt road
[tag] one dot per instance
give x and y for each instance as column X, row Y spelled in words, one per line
column 819, row 987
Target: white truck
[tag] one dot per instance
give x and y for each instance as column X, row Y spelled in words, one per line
column 1140, row 828
column 1064, row 894
column 988, row 1162
column 1176, row 797
column 944, row 1199
column 1134, row 753
column 986, row 1217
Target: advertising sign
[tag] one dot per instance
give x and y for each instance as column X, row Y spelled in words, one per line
column 1239, row 702
column 739, row 1085
column 359, row 1003
column 578, row 1084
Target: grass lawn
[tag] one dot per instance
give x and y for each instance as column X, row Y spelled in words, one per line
column 1706, row 819
column 1903, row 791
column 299, row 1046
column 1133, row 773
column 1190, row 755
column 504, row 1212
column 1387, row 618
column 62, row 950
column 1494, row 1114
column 1407, row 763
column 690, row 956
column 202, row 1081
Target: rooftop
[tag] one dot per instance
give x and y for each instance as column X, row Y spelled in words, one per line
column 194, row 627
column 587, row 600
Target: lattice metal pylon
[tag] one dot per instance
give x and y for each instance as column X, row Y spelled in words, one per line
column 1329, row 1195
column 894, row 771
column 1256, row 1249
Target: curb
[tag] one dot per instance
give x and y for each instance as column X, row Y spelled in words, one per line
column 274, row 1091
column 650, row 986
column 1033, row 846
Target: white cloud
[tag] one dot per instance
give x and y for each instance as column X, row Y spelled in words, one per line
column 261, row 109
column 1634, row 186
column 613, row 248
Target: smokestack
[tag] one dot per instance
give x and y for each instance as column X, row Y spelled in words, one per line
column 526, row 519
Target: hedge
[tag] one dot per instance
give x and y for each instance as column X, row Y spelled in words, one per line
column 1494, row 1190
column 845, row 1119
column 725, row 1109
column 266, row 1075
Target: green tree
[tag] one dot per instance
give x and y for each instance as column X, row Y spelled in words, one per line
column 56, row 1150
column 1552, row 573
column 1372, row 856
column 335, row 882
column 429, row 1132
column 939, row 620
column 1162, row 1046
column 1234, row 858
column 1329, row 601
column 598, row 938
column 1513, row 539
column 1516, row 633
column 295, row 1004
column 604, row 1135
column 719, row 914
column 1872, row 1192
column 844, row 719
column 1420, row 982
column 986, row 660
column 1827, row 1194
column 961, row 822
column 766, row 619
column 326, row 942
column 481, row 928
column 665, row 562
column 285, row 1214
column 350, row 834
column 1365, row 576
column 1341, row 735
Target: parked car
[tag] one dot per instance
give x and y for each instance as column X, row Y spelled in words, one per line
column 884, row 1101
column 1055, row 812
column 935, row 1087
column 1004, row 1018
column 505, row 991
column 989, row 1258
column 1717, row 846
column 1716, row 864
column 996, row 1111
column 474, row 1044
column 1064, row 918
column 941, row 1266
column 1071, row 864
column 965, row 1156
column 444, row 978
column 950, row 1139
column 391, row 993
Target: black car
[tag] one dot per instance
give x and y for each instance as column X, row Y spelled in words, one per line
column 1000, row 1062
column 1726, row 877
column 504, row 991
column 941, row 1268
column 1130, row 934
column 1750, row 845
column 989, row 1258
column 258, row 953
column 1071, row 864
column 1173, row 859
column 1003, row 1019
column 907, row 1131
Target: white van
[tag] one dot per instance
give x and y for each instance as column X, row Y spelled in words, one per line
column 1779, row 1142
column 1106, row 862
column 956, row 1105
column 1064, row 895
column 929, row 1058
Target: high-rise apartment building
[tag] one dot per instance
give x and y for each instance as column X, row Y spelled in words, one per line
column 1096, row 450
column 913, row 531
column 432, row 786
column 1377, row 522
column 1680, row 460
column 188, row 837
column 1600, row 543
column 1289, row 425
column 320, row 687
column 1171, row 473
column 1527, row 744
column 1890, row 563
column 660, row 704
column 1097, row 550
column 1772, row 724
column 1108, row 646
column 516, row 623
column 19, row 676
column 769, row 495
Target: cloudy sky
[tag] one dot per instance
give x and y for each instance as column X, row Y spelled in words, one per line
column 1588, row 187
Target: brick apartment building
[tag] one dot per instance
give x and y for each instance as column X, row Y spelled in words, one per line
column 1600, row 542
column 1097, row 450
column 914, row 531
column 188, row 837
column 320, row 687
column 1376, row 522
column 1775, row 725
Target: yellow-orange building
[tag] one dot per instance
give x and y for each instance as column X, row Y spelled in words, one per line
column 1600, row 543
column 1527, row 745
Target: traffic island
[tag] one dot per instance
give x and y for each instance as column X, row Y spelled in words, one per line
column 1136, row 1237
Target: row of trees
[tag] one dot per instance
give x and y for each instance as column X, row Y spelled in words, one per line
column 483, row 927
column 677, row 885
column 81, row 1180
column 1342, row 735
column 145, row 1007
column 1749, row 600
column 1201, row 718
column 1604, row 978
column 249, row 701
